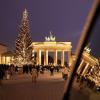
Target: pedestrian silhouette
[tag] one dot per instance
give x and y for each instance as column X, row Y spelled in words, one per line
column 34, row 75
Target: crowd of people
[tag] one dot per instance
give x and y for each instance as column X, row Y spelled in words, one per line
column 7, row 71
column 41, row 68
column 84, row 81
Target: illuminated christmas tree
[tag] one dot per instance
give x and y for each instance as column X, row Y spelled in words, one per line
column 23, row 51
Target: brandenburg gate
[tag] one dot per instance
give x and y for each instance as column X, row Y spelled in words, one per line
column 50, row 45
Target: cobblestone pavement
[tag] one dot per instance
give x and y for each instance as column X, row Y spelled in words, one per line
column 46, row 88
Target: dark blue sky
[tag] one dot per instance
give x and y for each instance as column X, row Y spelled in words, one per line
column 65, row 18
column 95, row 38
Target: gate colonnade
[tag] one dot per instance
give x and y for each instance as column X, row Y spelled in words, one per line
column 52, row 46
column 87, row 63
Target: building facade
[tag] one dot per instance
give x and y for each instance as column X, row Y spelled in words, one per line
column 50, row 45
column 5, row 55
column 3, row 49
column 87, row 63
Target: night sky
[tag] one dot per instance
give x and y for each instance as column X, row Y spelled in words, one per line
column 65, row 18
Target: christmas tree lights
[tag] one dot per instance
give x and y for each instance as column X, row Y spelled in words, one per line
column 23, row 49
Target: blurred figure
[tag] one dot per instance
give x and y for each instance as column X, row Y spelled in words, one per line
column 52, row 69
column 8, row 74
column 65, row 73
column 1, row 76
column 34, row 75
